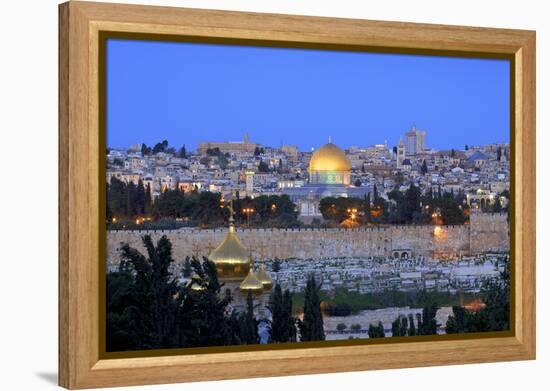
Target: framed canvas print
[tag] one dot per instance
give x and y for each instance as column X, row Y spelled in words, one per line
column 246, row 195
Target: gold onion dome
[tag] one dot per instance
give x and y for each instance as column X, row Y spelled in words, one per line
column 264, row 278
column 231, row 257
column 252, row 283
column 329, row 158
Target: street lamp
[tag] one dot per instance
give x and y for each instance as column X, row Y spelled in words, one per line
column 248, row 212
column 352, row 213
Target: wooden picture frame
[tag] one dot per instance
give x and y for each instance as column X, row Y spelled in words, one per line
column 81, row 172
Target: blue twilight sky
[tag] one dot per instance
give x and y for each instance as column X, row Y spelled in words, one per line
column 188, row 93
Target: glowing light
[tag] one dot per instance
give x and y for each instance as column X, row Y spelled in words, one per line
column 439, row 232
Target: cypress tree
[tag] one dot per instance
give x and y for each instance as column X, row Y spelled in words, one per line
column 249, row 324
column 282, row 328
column 376, row 331
column 187, row 268
column 311, row 328
column 276, row 308
column 404, row 326
column 182, row 152
column 396, row 328
column 202, row 316
column 424, row 167
column 153, row 312
column 148, row 200
column 140, row 199
column 412, row 329
column 429, row 323
column 130, row 206
column 366, row 208
column 290, row 334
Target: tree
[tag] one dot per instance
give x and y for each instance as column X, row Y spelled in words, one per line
column 340, row 327
column 223, row 161
column 495, row 316
column 407, row 208
column 499, row 153
column 376, row 331
column 118, row 162
column 458, row 322
column 131, row 206
column 412, row 328
column 148, row 309
column 429, row 324
column 148, row 200
column 276, row 265
column 249, row 323
column 140, row 199
column 411, row 203
column 496, row 296
column 187, row 268
column 202, row 315
column 497, row 205
column 399, row 327
column 290, row 334
column 282, row 325
column 399, row 178
column 145, row 150
column 160, row 147
column 338, row 209
column 144, row 305
column 208, row 210
column 116, row 197
column 311, row 328
column 424, row 167
column 450, row 210
column 263, row 167
column 367, row 208
column 356, row 327
column 182, row 153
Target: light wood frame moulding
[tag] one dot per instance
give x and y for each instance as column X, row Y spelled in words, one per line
column 82, row 170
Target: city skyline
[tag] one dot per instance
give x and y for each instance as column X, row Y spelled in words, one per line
column 158, row 91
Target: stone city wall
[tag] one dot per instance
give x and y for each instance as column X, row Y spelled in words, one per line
column 489, row 232
column 484, row 233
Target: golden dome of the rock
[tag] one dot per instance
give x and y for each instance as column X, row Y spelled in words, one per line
column 329, row 158
column 231, row 257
